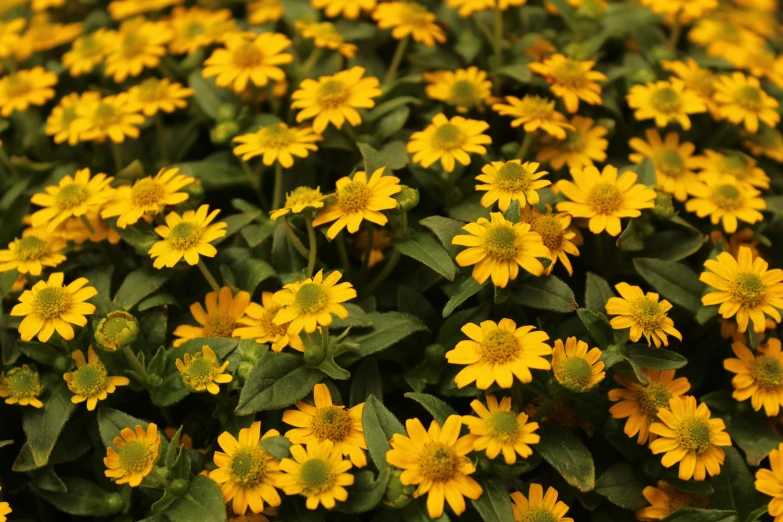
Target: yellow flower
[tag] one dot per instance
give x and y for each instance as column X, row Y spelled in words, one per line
column 119, row 9
column 74, row 229
column 135, row 457
column 21, row 386
column 89, row 381
column 770, row 482
column 139, row 44
column 277, row 142
column 326, row 421
column 575, row 367
column 254, row 59
column 220, row 319
column 202, row 371
column 498, row 248
column 326, row 35
column 24, row 88
column 380, row 240
column 468, row 7
column 463, row 88
column 436, row 461
column 725, row 199
column 643, row 314
column 736, row 164
column 497, row 428
column 247, row 474
column 689, row 436
column 43, row 35
column 358, row 199
column 86, row 52
column 147, row 197
column 5, row 509
column 10, row 36
column 72, row 197
column 335, row 98
column 724, row 37
column 582, row 145
column 759, row 377
column 409, row 19
column 263, row 11
column 259, row 323
column 665, row 102
column 571, row 80
column 742, row 100
column 449, row 140
column 310, row 303
column 665, row 500
column 701, row 81
column 33, row 251
column 298, row 200
column 317, row 473
column 187, row 236
column 556, row 233
column 674, row 162
column 195, row 28
column 533, row 113
column 604, row 197
column 496, row 352
column 110, row 117
column 511, row 181
column 767, row 142
column 154, row 95
column 61, row 123
column 685, row 10
column 640, row 404
column 539, row 506
column 350, row 9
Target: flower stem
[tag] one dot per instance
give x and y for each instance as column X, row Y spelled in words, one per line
column 160, row 130
column 254, row 181
column 308, row 64
column 313, row 245
column 370, row 236
column 543, row 410
column 116, row 152
column 342, row 252
column 498, row 45
column 386, row 272
column 391, row 73
column 159, row 479
column 135, row 364
column 87, row 223
column 208, row 276
column 524, row 148
column 295, row 240
column 674, row 37
column 277, row 198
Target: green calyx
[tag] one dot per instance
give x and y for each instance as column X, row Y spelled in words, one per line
column 116, row 330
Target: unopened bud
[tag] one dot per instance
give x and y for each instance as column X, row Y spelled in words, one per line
column 116, row 330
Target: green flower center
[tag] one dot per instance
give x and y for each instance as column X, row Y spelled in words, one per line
column 647, row 313
column 438, row 462
column 332, row 94
column 538, row 514
column 194, row 29
column 666, row 100
column 89, row 380
column 537, row 108
column 104, row 114
column 219, row 326
column 734, row 165
column 137, row 456
column 500, row 346
column 276, row 136
column 728, row 197
column 133, row 44
column 68, row 116
column 575, row 371
column 71, row 196
column 311, row 298
column 113, row 326
column 147, row 193
column 464, row 93
column 52, row 302
column 248, row 56
column 550, row 230
column 200, row 371
column 248, row 466
column 447, row 137
column 31, row 248
column 652, row 397
column 316, row 475
column 749, row 97
column 695, row 435
column 504, row 426
column 575, row 142
column 767, row 371
column 678, row 500
column 23, row 383
column 570, row 73
column 513, row 177
column 184, row 235
column 748, row 288
column 670, row 162
column 332, row 423
column 354, row 197
column 152, row 89
column 302, row 196
column 605, row 198
column 500, row 242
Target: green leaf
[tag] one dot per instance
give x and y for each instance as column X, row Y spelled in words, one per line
column 379, row 426
column 566, row 453
column 366, row 381
column 444, row 229
column 673, row 280
column 757, row 514
column 701, row 515
column 217, row 173
column 276, row 446
column 140, row 236
column 171, row 453
column 46, row 479
column 157, row 299
column 423, row 248
column 439, row 410
column 657, row 358
column 139, row 284
column 393, row 122
column 597, row 326
column 43, row 425
column 388, row 106
column 674, row 245
column 366, row 492
column 258, row 233
column 494, row 505
column 753, row 435
column 388, row 329
column 236, row 223
column 40, row 353
column 512, row 212
column 622, row 487
column 416, row 511
column 83, row 498
column 206, row 93
column 203, row 502
column 546, row 293
column 466, row 289
column 519, row 72
column 393, row 156
column 597, row 293
column 252, row 272
column 734, row 487
column 276, row 381
column 451, row 330
column 646, row 172
column 632, row 238
column 357, row 318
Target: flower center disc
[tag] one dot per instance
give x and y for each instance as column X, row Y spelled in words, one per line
column 276, row 136
column 354, row 197
column 513, row 177
column 646, row 313
column 500, row 242
column 248, row 56
column 734, row 165
column 728, row 197
column 749, row 97
column 89, row 380
column 52, row 302
column 575, row 370
column 16, row 86
column 438, row 462
column 504, row 426
column 104, row 114
column 748, row 288
column 694, row 435
column 605, row 198
column 302, row 196
column 666, row 100
column 147, row 193
column 463, row 93
column 219, row 326
column 23, row 383
column 570, row 73
column 71, row 196
column 200, row 370
column 332, row 94
column 447, row 136
column 184, row 235
column 136, row 456
column 31, row 248
column 656, row 395
column 670, row 162
column 538, row 514
column 550, row 231
column 311, row 298
column 767, row 371
column 248, row 466
column 316, row 475
column 332, row 423
column 499, row 346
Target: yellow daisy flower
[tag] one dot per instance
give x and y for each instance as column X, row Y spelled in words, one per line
column 665, row 102
column 327, row 421
column 196, row 27
column 685, row 11
column 21, row 89
column 465, row 8
column 508, row 181
column 120, row 9
column 767, row 142
column 575, row 367
column 409, row 19
column 770, row 482
column 139, row 44
column 86, row 52
column 72, row 197
column 220, row 319
column 604, row 198
column 498, row 248
column 701, row 81
column 499, row 429
column 463, row 88
column 350, row 9
column 665, row 500
column 298, row 200
column 187, row 236
column 244, row 60
column 571, row 80
column 310, row 303
column 674, row 162
column 759, row 377
column 742, row 100
column 89, row 381
column 736, row 164
column 317, row 473
column 11, row 36
column 135, row 457
column 147, row 197
column 202, row 371
column 557, row 234
column 326, row 35
column 61, row 122
column 689, row 436
column 640, row 404
column 380, row 241
column 724, row 37
column 43, row 35
column 335, row 98
column 21, row 386
column 533, row 113
column 263, row 11
column 33, row 251
column 358, row 199
column 725, row 199
column 5, row 509
column 277, row 142
column 109, row 117
column 643, row 314
column 496, row 352
column 155, row 95
column 448, row 140
column 258, row 322
column 436, row 461
column 582, row 145
column 74, row 229
column 539, row 506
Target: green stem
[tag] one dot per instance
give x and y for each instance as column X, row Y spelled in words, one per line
column 524, row 148
column 254, row 181
column 674, row 37
column 313, row 245
column 277, row 198
column 295, row 240
column 87, row 223
column 160, row 130
column 341, row 251
column 391, row 72
column 208, row 275
column 308, row 64
column 386, row 272
column 370, row 236
column 116, row 152
column 10, row 64
column 159, row 479
column 497, row 43
column 135, row 364
column 543, row 410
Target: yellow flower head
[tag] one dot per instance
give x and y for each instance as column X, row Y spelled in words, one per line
column 575, row 367
column 187, row 236
column 86, row 52
column 350, row 9
column 147, row 197
column 665, row 102
column 448, row 140
column 463, row 88
column 263, row 11
column 701, row 81
column 277, row 142
column 640, row 404
column 43, row 35
column 196, row 27
column 770, row 482
column 358, row 199
column 604, row 198
column 72, row 197
column 61, row 123
column 436, row 461
column 246, row 59
column 327, row 421
column 318, row 473
column 736, row 164
column 685, row 11
column 556, row 233
column 674, row 162
column 468, row 7
column 499, row 429
column 326, row 35
column 74, row 229
column 24, row 88
column 508, row 181
column 89, row 381
column 21, row 386
column 202, row 371
column 725, row 199
column 298, row 200
column 139, row 44
column 335, row 98
column 643, row 314
column 10, row 36
column 310, row 303
column 135, row 457
column 154, row 95
column 120, row 9
column 5, row 509
column 533, row 113
column 759, row 377
column 767, row 142
column 380, row 240
column 689, row 436
column 537, row 506
column 571, row 80
column 665, row 500
column 725, row 37
column 742, row 100
column 110, row 117
column 259, row 323
column 496, row 352
column 220, row 319
column 33, row 251
column 498, row 248
column 409, row 19
column 582, row 145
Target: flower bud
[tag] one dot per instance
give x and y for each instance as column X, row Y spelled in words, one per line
column 314, row 354
column 407, row 199
column 223, row 132
column 116, row 330
column 226, row 112
column 435, row 354
column 397, row 496
column 179, row 487
column 154, row 380
column 251, row 352
column 643, row 76
column 113, row 502
column 244, row 369
column 663, row 209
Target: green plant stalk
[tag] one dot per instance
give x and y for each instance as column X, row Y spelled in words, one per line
column 87, row 223
column 524, row 148
column 208, row 275
column 311, row 60
column 116, row 153
column 674, row 36
column 498, row 45
column 367, row 253
column 313, row 245
column 391, row 72
column 277, row 198
column 135, row 364
column 543, row 410
column 159, row 479
column 341, row 251
column 160, row 130
column 295, row 240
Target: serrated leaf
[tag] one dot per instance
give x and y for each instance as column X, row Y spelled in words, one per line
column 546, row 293
column 494, row 504
column 83, row 498
column 202, row 502
column 597, row 326
column 568, row 455
column 44, row 425
column 388, row 329
column 465, row 290
column 139, row 284
column 277, row 381
column 423, row 248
